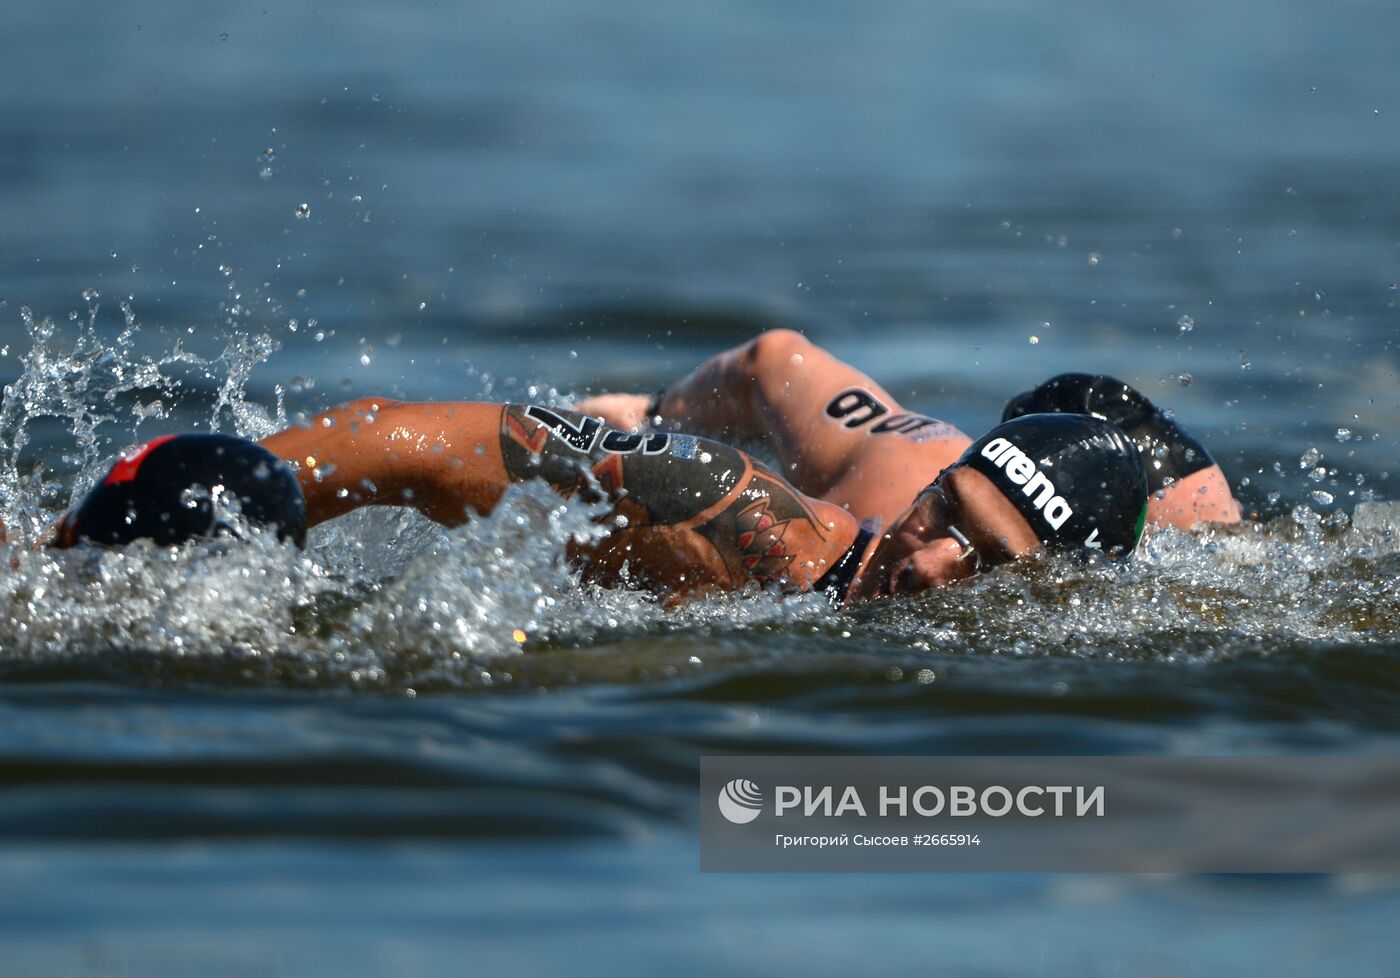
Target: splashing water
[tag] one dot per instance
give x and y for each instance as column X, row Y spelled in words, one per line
column 385, row 599
column 99, row 394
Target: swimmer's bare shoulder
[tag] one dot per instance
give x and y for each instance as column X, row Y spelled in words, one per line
column 838, row 434
column 686, row 514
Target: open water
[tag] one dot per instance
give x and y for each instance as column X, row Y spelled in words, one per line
column 246, row 761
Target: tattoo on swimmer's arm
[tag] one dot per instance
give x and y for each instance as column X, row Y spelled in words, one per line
column 759, row 534
column 674, row 478
column 855, row 408
column 759, row 523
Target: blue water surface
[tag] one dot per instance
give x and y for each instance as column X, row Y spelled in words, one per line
column 497, row 199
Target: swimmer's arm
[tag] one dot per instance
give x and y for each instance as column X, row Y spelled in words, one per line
column 706, row 516
column 379, row 451
column 780, row 388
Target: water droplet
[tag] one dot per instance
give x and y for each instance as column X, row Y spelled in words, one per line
column 1184, row 379
column 1309, row 458
column 1094, row 258
column 1322, row 497
column 1034, row 339
column 1343, row 434
column 1186, row 324
column 91, row 295
column 303, row 211
column 422, row 306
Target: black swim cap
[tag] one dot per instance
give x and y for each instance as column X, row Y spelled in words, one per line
column 1168, row 452
column 145, row 494
column 1076, row 479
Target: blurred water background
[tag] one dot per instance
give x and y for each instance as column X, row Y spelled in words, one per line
column 263, row 763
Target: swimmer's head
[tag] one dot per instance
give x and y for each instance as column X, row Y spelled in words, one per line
column 162, row 492
column 1076, row 479
column 1054, row 482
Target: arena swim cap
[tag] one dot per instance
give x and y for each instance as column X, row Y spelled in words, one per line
column 1077, row 480
column 1168, row 452
column 146, row 494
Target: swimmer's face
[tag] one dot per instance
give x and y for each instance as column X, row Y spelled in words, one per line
column 928, row 545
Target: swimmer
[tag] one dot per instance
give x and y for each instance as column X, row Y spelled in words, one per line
column 839, row 436
column 686, row 515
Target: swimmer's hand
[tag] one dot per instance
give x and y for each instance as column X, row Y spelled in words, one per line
column 625, row 411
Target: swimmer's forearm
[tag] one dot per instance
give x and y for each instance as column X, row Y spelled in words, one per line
column 440, row 458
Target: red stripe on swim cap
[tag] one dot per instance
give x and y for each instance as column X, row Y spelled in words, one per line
column 128, row 465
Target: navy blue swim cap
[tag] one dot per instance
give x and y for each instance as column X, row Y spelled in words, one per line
column 146, row 494
column 1077, row 479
